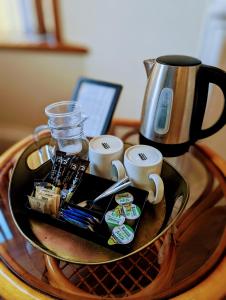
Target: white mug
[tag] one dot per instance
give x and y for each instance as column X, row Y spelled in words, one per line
column 143, row 166
column 105, row 156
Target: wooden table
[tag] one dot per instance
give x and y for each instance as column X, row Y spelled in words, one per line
column 193, row 268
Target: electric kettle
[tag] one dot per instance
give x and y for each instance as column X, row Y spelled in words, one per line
column 175, row 101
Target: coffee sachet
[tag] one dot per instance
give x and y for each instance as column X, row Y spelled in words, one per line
column 70, row 172
column 77, row 177
column 61, row 183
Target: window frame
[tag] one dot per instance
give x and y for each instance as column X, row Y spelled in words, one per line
column 50, row 41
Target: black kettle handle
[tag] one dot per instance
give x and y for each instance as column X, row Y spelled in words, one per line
column 206, row 75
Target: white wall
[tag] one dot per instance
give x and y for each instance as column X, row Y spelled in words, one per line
column 122, row 33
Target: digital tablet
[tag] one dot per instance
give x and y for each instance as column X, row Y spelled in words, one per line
column 98, row 101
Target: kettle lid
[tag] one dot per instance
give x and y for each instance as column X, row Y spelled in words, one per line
column 178, row 60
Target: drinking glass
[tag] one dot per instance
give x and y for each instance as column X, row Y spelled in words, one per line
column 65, row 122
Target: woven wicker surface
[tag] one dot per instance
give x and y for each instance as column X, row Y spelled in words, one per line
column 122, row 278
column 139, row 275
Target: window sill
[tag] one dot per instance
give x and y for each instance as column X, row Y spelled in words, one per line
column 44, row 47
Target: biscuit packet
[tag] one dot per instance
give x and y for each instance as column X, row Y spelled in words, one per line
column 40, row 204
column 45, row 198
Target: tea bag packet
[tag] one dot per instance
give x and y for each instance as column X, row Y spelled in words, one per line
column 79, row 218
column 82, row 214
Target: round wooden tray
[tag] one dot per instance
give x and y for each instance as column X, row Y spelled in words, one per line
column 69, row 247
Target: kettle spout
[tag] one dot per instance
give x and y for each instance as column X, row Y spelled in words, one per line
column 149, row 63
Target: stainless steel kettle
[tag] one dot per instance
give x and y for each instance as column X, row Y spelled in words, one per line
column 175, row 101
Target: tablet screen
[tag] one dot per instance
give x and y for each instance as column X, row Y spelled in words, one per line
column 98, row 100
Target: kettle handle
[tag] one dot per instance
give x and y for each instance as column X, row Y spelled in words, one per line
column 207, row 74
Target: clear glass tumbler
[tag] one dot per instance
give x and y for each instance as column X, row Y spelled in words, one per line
column 65, row 122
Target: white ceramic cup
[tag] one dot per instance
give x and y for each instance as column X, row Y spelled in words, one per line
column 143, row 165
column 105, row 156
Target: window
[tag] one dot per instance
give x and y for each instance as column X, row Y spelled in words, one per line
column 33, row 24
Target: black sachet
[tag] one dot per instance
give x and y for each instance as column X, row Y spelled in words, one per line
column 82, row 165
column 70, row 172
column 59, row 168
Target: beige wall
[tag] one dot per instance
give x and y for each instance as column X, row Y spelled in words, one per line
column 124, row 33
column 120, row 34
column 28, row 82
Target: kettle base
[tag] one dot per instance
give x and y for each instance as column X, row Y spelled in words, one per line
column 167, row 150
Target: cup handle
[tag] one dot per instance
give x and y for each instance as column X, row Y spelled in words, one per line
column 118, row 169
column 156, row 196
